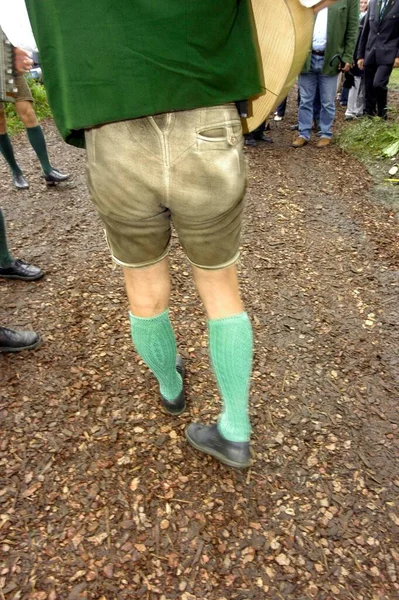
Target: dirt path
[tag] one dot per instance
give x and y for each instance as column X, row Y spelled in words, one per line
column 100, row 496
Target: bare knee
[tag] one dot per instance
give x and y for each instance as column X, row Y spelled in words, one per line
column 219, row 291
column 26, row 113
column 148, row 289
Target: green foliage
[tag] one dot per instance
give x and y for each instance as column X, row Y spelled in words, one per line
column 394, row 80
column 371, row 138
column 41, row 106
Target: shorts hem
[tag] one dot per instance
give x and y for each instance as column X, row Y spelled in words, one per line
column 225, row 265
column 139, row 265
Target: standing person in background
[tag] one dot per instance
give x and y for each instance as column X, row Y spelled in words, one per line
column 25, row 111
column 355, row 106
column 11, row 340
column 378, row 53
column 335, row 31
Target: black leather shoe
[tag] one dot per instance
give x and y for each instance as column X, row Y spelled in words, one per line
column 263, row 138
column 19, row 181
column 14, row 341
column 55, row 177
column 19, row 269
column 207, row 438
column 250, row 141
column 178, row 406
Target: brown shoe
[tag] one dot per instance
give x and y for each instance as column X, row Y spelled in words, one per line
column 323, row 142
column 299, row 142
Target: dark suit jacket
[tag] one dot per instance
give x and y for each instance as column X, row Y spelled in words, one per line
column 379, row 43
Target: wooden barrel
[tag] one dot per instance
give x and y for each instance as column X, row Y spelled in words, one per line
column 284, row 31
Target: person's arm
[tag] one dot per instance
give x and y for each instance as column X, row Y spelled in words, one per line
column 363, row 40
column 352, row 30
column 22, row 60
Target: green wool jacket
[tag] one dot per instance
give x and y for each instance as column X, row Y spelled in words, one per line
column 342, row 32
column 112, row 60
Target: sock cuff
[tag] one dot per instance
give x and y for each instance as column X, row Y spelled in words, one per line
column 159, row 317
column 240, row 317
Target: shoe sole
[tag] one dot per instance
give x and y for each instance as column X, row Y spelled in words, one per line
column 31, row 347
column 173, row 414
column 220, row 457
column 33, row 278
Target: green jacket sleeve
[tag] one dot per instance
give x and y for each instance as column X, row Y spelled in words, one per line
column 352, row 31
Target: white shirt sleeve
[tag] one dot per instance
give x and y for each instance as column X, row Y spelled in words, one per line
column 15, row 24
column 309, row 3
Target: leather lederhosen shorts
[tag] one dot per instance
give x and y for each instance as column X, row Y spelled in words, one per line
column 185, row 168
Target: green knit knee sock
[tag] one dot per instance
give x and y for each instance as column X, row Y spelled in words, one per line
column 231, row 350
column 5, row 257
column 156, row 344
column 7, row 151
column 38, row 143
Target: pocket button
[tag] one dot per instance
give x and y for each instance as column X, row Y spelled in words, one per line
column 233, row 139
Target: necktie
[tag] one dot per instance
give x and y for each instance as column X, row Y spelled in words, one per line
column 382, row 7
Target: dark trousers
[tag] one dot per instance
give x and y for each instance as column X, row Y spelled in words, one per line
column 376, row 79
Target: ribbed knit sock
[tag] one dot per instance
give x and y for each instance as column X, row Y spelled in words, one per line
column 231, row 350
column 8, row 153
column 5, row 257
column 156, row 344
column 38, row 143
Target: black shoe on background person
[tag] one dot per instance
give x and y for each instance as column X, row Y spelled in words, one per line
column 55, row 177
column 19, row 269
column 19, row 181
column 14, row 341
column 263, row 137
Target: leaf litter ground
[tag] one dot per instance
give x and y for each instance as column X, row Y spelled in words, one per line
column 100, row 496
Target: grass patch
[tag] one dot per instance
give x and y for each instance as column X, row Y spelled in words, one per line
column 42, row 109
column 370, row 138
column 394, row 79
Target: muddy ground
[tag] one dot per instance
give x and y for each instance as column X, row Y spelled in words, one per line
column 100, row 496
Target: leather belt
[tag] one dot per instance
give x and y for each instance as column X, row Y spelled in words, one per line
column 318, row 52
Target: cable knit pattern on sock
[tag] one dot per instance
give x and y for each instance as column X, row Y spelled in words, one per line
column 155, row 342
column 231, row 350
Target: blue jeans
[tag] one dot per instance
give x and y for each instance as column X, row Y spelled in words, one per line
column 308, row 85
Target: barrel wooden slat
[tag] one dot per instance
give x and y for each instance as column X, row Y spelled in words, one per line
column 284, row 32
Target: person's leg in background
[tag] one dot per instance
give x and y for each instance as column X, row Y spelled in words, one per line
column 369, row 90
column 8, row 152
column 316, row 109
column 355, row 104
column 327, row 86
column 343, row 99
column 258, row 135
column 307, row 83
column 11, row 268
column 280, row 110
column 36, row 138
column 380, row 84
